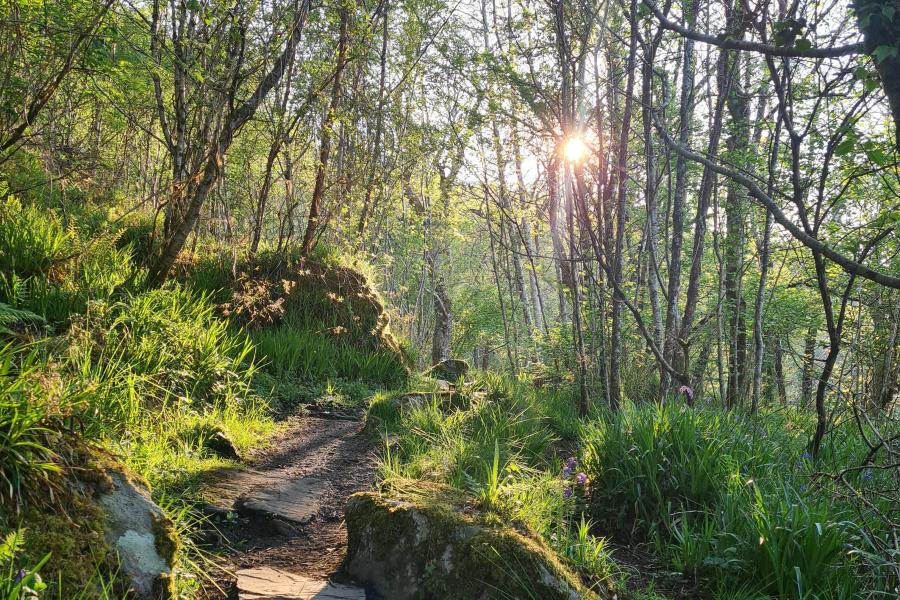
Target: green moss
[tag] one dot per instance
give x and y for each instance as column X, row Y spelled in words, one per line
column 166, row 538
column 164, row 587
column 72, row 534
column 429, row 543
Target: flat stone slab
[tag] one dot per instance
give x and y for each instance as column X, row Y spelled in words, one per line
column 290, row 498
column 265, row 583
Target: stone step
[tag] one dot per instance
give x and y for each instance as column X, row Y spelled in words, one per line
column 292, row 499
column 266, row 583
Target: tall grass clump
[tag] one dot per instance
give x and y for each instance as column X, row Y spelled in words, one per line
column 296, row 349
column 49, row 270
column 161, row 373
column 499, row 445
column 159, row 346
column 36, row 409
column 32, row 240
column 721, row 496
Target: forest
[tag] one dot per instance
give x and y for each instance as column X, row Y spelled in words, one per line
column 463, row 299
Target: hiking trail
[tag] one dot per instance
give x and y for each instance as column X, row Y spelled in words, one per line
column 282, row 517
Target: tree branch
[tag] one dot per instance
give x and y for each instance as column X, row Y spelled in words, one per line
column 734, row 44
column 813, row 243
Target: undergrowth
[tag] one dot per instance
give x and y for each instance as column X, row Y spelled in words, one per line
column 731, row 499
column 503, row 444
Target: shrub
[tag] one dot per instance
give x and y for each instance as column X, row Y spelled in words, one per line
column 717, row 494
column 32, row 241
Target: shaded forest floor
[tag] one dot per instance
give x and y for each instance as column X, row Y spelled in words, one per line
column 331, row 448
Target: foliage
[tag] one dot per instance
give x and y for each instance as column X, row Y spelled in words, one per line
column 498, row 446
column 33, row 412
column 31, row 242
column 722, row 495
column 15, row 585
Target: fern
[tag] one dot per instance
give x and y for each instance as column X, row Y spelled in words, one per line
column 11, row 545
column 13, row 316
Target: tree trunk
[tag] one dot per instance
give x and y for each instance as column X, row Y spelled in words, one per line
column 685, row 112
column 615, row 352
column 315, row 206
column 806, row 373
column 379, row 128
column 443, row 324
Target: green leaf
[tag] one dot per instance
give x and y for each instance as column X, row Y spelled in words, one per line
column 888, row 12
column 803, row 44
column 884, row 52
column 844, row 147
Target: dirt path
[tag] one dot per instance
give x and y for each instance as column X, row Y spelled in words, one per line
column 289, row 507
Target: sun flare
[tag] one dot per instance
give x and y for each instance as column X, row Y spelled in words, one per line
column 575, row 150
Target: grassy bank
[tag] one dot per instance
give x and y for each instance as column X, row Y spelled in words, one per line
column 733, row 504
column 93, row 363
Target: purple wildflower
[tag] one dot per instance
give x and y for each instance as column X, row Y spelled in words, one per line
column 567, row 492
column 20, row 576
column 581, row 478
column 806, row 456
column 867, row 475
column 572, row 463
column 688, row 392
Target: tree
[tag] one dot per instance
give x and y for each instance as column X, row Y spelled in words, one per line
column 206, row 113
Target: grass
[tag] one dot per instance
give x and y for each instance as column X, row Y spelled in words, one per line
column 90, row 358
column 33, row 411
column 727, row 498
column 502, row 447
column 301, row 352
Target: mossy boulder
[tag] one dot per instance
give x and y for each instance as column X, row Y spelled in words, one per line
column 100, row 520
column 338, row 304
column 141, row 535
column 452, row 369
column 410, row 546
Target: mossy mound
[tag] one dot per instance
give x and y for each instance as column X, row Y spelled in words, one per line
column 316, row 320
column 430, row 544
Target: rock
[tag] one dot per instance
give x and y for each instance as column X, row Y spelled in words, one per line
column 452, row 369
column 277, row 494
column 210, row 437
column 142, row 536
column 442, row 385
column 221, row 445
column 294, row 500
column 424, row 547
column 446, row 400
column 407, row 401
column 265, row 582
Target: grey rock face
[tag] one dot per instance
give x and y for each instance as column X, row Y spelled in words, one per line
column 141, row 535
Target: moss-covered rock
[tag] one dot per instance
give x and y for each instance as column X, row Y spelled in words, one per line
column 452, row 369
column 102, row 523
column 143, row 538
column 427, row 545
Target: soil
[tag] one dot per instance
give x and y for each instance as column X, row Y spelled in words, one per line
column 330, row 446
